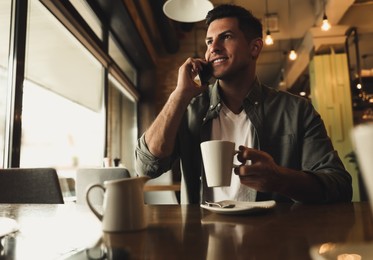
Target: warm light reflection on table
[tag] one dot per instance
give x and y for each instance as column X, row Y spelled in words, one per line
column 289, row 231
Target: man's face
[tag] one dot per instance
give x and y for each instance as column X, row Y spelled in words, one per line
column 228, row 49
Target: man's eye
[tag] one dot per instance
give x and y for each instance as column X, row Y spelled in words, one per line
column 227, row 36
column 208, row 42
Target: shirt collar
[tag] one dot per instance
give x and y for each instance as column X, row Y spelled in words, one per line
column 252, row 98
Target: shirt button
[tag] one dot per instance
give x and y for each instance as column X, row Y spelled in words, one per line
column 204, row 119
column 219, row 105
column 256, row 103
column 212, row 106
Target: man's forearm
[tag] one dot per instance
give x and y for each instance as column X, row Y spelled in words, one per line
column 300, row 186
column 160, row 137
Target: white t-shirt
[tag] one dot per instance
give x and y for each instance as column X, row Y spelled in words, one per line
column 235, row 128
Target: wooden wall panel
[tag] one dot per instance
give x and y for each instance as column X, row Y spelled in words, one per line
column 331, row 96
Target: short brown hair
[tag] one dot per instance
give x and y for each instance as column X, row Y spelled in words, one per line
column 248, row 23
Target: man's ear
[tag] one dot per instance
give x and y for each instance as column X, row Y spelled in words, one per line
column 256, row 47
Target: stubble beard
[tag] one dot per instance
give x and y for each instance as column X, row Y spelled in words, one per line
column 232, row 74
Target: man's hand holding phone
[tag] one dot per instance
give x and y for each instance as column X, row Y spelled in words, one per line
column 206, row 73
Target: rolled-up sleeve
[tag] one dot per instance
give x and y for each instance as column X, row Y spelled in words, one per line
column 146, row 163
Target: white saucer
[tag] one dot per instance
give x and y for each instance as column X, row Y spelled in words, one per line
column 7, row 226
column 241, row 207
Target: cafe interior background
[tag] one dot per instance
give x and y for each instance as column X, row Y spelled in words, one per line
column 81, row 80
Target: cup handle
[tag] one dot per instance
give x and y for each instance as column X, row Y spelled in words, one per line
column 236, row 165
column 98, row 215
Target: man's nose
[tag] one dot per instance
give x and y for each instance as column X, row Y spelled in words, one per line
column 214, row 46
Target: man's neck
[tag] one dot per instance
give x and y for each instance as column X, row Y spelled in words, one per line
column 234, row 92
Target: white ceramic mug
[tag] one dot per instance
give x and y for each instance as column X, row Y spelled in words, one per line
column 217, row 156
column 123, row 208
column 362, row 140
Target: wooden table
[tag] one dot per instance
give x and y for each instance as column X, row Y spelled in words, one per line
column 288, row 231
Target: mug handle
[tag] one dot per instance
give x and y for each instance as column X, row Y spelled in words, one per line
column 98, row 215
column 236, row 165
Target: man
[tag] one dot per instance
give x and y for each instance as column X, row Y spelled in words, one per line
column 281, row 135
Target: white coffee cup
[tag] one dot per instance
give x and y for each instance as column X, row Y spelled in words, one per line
column 123, row 208
column 362, row 140
column 217, row 156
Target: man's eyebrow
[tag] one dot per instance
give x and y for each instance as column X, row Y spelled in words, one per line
column 220, row 34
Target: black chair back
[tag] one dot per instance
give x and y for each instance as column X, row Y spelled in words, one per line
column 30, row 185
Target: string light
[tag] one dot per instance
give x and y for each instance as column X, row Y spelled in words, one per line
column 268, row 40
column 325, row 24
column 293, row 55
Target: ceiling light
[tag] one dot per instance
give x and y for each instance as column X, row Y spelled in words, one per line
column 293, row 55
column 268, row 40
column 187, row 11
column 282, row 82
column 325, row 24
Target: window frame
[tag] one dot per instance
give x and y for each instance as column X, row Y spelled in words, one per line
column 69, row 17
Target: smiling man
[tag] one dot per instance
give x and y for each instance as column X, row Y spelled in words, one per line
column 281, row 135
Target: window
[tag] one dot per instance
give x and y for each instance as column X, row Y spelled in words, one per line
column 5, row 15
column 89, row 16
column 122, row 133
column 63, row 121
column 119, row 57
column 63, row 109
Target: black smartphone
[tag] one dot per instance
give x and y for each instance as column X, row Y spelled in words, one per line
column 206, row 73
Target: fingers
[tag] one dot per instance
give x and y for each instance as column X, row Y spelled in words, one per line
column 191, row 69
column 249, row 170
column 254, row 155
column 261, row 174
column 186, row 86
column 194, row 65
column 260, row 162
column 250, row 177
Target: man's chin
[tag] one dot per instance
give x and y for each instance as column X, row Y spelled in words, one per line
column 221, row 77
column 218, row 76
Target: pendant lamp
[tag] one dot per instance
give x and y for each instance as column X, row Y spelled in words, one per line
column 187, row 11
column 325, row 26
column 292, row 54
column 268, row 39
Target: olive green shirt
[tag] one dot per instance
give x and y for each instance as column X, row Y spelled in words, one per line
column 284, row 125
